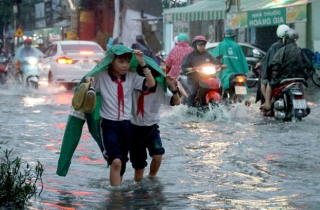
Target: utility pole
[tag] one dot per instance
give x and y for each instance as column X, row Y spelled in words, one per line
column 16, row 11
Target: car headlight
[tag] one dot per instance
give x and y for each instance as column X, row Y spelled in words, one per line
column 32, row 61
column 209, row 70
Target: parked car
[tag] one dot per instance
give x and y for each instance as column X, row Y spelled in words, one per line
column 66, row 62
column 251, row 57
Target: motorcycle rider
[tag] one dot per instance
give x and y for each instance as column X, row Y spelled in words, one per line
column 233, row 57
column 23, row 51
column 41, row 46
column 175, row 56
column 267, row 59
column 288, row 62
column 141, row 44
column 195, row 58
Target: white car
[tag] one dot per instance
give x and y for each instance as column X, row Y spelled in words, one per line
column 66, row 62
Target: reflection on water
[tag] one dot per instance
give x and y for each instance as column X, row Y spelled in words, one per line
column 232, row 158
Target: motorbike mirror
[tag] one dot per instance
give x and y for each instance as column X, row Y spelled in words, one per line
column 161, row 53
column 256, row 53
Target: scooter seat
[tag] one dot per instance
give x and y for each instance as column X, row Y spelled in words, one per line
column 293, row 80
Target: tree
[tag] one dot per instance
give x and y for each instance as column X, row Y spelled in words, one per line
column 6, row 14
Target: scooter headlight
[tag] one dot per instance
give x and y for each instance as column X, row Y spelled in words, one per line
column 209, row 70
column 32, row 61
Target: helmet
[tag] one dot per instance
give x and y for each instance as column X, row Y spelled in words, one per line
column 182, row 37
column 175, row 39
column 291, row 34
column 281, row 30
column 39, row 41
column 199, row 39
column 229, row 32
column 28, row 40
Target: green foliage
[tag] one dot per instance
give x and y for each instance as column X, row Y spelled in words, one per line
column 6, row 10
column 17, row 183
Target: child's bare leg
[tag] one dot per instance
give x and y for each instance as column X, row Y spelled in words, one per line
column 138, row 174
column 155, row 164
column 115, row 168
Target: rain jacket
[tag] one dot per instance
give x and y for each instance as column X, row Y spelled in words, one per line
column 176, row 56
column 76, row 119
column 233, row 57
column 194, row 59
column 288, row 62
column 25, row 52
column 267, row 59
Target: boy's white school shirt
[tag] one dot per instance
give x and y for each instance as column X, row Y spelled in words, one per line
column 109, row 94
column 152, row 104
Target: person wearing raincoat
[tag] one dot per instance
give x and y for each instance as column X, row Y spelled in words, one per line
column 233, row 57
column 77, row 119
column 23, row 51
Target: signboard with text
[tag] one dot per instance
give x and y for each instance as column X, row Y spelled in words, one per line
column 268, row 17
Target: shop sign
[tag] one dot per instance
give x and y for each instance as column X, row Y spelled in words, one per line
column 268, row 17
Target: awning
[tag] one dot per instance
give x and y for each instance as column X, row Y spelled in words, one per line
column 203, row 10
column 268, row 13
column 248, row 5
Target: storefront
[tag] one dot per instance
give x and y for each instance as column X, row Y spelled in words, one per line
column 204, row 18
column 259, row 21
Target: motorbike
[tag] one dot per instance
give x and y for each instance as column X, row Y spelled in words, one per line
column 30, row 72
column 288, row 104
column 3, row 70
column 209, row 93
column 236, row 91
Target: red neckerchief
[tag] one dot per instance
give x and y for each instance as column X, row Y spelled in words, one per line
column 141, row 103
column 120, row 91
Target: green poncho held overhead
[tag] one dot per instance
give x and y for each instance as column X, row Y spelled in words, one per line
column 76, row 119
column 233, row 57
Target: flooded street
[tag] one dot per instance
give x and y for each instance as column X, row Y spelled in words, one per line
column 239, row 161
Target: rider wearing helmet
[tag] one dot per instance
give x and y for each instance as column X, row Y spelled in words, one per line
column 176, row 55
column 25, row 50
column 267, row 59
column 233, row 57
column 288, row 62
column 195, row 58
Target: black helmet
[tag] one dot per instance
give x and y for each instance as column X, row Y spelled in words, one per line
column 291, row 34
column 229, row 32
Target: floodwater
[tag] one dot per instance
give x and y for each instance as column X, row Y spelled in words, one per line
column 239, row 161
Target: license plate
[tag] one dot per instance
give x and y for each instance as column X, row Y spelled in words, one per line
column 299, row 104
column 241, row 90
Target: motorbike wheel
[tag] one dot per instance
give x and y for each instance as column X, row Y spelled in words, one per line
column 34, row 85
column 316, row 77
column 251, row 84
column 2, row 79
column 50, row 79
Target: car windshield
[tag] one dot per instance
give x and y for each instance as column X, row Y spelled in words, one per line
column 80, row 47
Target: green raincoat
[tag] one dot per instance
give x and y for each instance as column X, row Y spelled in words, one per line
column 233, row 57
column 77, row 119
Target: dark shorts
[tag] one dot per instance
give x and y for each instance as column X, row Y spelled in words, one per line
column 144, row 137
column 116, row 137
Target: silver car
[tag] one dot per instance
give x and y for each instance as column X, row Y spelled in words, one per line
column 66, row 62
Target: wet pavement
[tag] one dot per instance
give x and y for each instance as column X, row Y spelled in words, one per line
column 239, row 161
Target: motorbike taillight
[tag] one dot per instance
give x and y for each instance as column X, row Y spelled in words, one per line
column 241, row 79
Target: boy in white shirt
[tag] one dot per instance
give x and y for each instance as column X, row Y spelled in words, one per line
column 116, row 86
column 145, row 129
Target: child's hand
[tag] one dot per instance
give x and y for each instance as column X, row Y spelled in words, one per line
column 138, row 54
column 170, row 81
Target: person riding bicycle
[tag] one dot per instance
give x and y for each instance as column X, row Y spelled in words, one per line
column 288, row 62
column 195, row 58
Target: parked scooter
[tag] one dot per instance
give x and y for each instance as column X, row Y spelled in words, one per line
column 30, row 72
column 288, row 100
column 209, row 93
